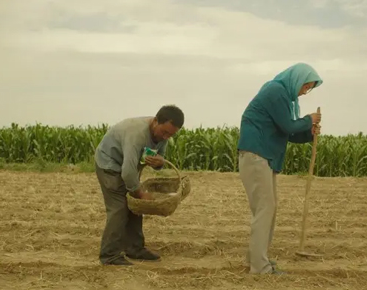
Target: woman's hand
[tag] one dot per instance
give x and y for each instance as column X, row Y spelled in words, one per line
column 316, row 129
column 316, row 118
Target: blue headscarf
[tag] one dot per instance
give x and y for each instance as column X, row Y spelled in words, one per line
column 293, row 78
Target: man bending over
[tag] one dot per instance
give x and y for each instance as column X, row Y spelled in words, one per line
column 117, row 160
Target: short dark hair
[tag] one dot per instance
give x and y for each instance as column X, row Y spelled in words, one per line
column 171, row 113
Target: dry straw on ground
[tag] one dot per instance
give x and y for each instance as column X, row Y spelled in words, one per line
column 51, row 226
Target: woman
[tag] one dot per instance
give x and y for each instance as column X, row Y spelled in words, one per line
column 268, row 123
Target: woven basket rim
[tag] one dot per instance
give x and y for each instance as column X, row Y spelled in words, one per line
column 159, row 206
column 174, row 168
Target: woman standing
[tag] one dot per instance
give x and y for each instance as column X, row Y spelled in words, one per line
column 268, row 123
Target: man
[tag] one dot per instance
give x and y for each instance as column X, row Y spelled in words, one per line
column 117, row 160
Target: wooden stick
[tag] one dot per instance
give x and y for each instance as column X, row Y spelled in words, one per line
column 308, row 188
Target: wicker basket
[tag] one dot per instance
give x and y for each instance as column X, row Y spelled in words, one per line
column 168, row 192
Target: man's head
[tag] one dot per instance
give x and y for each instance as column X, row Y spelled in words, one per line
column 168, row 120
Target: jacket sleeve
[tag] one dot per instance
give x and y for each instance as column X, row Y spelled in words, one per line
column 302, row 137
column 277, row 106
column 129, row 169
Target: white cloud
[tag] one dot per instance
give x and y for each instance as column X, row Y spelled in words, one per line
column 213, row 32
column 186, row 54
column 356, row 8
column 319, row 3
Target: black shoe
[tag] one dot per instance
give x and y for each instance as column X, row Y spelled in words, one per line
column 143, row 254
column 120, row 261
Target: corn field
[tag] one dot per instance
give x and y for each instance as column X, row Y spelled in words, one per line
column 198, row 149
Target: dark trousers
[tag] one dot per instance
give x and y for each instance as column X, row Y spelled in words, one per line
column 124, row 230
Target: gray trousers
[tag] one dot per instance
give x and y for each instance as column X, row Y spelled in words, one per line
column 123, row 230
column 259, row 182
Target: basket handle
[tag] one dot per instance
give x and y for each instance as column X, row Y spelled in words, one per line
column 174, row 168
column 169, row 163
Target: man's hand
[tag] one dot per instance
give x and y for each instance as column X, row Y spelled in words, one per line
column 139, row 193
column 154, row 161
column 315, row 129
column 146, row 195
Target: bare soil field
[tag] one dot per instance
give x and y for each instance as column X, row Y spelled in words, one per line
column 51, row 224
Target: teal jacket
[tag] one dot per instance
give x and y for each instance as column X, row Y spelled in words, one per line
column 272, row 117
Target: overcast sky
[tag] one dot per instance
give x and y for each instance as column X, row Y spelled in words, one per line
column 89, row 61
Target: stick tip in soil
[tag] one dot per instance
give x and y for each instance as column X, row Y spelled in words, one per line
column 305, row 254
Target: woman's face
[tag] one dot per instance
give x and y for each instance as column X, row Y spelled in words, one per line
column 306, row 88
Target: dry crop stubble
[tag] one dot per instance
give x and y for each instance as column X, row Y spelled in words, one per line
column 51, row 225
